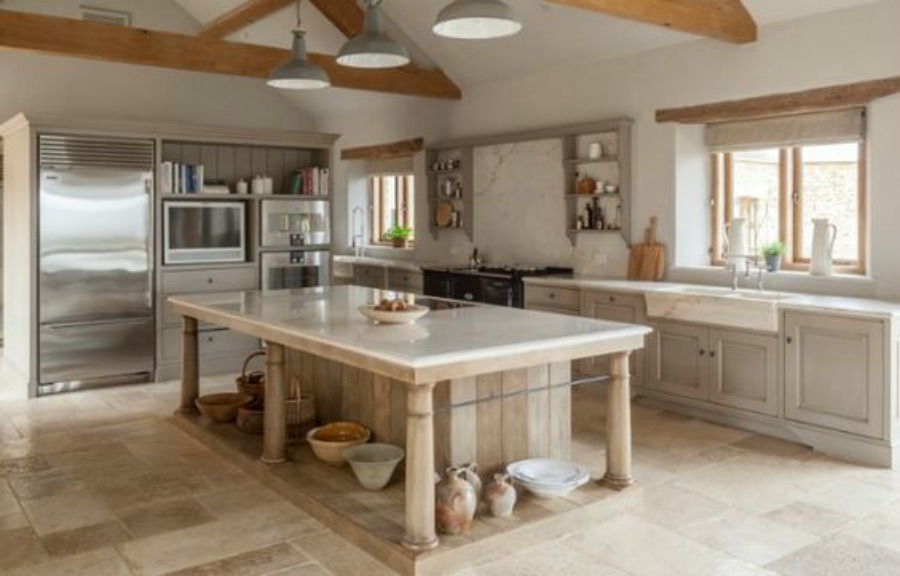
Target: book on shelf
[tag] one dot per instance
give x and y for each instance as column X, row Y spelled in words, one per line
column 178, row 178
column 311, row 181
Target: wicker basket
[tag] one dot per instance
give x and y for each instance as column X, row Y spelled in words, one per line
column 300, row 413
column 253, row 383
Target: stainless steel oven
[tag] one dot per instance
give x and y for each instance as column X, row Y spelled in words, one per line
column 293, row 223
column 295, row 269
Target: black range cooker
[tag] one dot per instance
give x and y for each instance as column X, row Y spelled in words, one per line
column 500, row 285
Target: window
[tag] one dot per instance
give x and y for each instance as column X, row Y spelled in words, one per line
column 392, row 204
column 779, row 190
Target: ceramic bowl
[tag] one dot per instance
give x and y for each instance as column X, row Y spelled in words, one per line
column 548, row 478
column 222, row 407
column 374, row 464
column 413, row 313
column 329, row 441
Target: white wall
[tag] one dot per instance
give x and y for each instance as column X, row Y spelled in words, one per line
column 833, row 48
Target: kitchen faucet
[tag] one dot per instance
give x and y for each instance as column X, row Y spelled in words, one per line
column 359, row 239
column 734, row 266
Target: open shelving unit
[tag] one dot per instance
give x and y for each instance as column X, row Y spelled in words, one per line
column 459, row 180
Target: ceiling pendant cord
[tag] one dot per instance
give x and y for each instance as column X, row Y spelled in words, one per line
column 372, row 48
column 299, row 73
column 476, row 20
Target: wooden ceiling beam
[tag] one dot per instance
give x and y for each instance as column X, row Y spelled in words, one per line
column 726, row 20
column 240, row 17
column 816, row 100
column 68, row 37
column 383, row 151
column 346, row 15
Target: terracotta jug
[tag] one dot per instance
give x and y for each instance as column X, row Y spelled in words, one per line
column 500, row 496
column 455, row 503
column 470, row 474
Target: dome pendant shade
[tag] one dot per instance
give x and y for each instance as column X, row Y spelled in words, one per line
column 476, row 20
column 298, row 73
column 372, row 48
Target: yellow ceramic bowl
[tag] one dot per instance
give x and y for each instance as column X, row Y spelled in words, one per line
column 329, row 441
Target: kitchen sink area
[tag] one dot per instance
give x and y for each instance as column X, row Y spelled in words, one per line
column 746, row 309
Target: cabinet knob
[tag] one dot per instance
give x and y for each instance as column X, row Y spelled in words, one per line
column 209, row 280
column 703, row 352
column 552, row 295
column 210, row 339
column 469, row 296
column 712, row 353
column 789, row 340
column 612, row 298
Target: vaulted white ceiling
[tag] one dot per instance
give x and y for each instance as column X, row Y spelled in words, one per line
column 553, row 35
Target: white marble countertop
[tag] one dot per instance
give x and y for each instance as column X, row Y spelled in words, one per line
column 413, row 265
column 458, row 342
column 796, row 301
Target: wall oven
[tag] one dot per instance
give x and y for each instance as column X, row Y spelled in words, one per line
column 295, row 269
column 293, row 223
column 204, row 232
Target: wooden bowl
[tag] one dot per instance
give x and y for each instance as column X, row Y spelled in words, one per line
column 408, row 316
column 222, row 407
column 251, row 419
column 329, row 441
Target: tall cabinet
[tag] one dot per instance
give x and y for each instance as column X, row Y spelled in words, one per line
column 227, row 156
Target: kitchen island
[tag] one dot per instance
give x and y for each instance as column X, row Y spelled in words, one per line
column 454, row 343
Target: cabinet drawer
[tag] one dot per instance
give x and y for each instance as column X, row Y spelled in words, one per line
column 405, row 280
column 212, row 343
column 368, row 276
column 553, row 297
column 212, row 280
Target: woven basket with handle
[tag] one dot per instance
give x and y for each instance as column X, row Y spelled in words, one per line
column 253, row 383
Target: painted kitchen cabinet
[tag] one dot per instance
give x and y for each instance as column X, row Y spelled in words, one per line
column 835, row 372
column 726, row 367
column 617, row 308
column 369, row 276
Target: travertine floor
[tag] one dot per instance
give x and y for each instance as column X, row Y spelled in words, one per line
column 100, row 484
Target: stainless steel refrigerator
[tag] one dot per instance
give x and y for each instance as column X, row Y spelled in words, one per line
column 95, row 294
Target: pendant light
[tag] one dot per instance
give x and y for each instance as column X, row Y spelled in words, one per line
column 298, row 73
column 476, row 20
column 372, row 48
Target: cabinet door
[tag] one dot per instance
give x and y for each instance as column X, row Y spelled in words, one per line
column 678, row 360
column 616, row 308
column 744, row 370
column 834, row 372
column 369, row 276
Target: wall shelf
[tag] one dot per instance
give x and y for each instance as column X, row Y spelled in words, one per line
column 465, row 204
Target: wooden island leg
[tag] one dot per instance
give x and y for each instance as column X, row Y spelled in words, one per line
column 190, row 368
column 274, row 438
column 618, row 424
column 420, row 527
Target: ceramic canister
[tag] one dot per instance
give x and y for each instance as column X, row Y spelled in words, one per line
column 500, row 496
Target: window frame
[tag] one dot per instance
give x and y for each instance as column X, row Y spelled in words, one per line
column 790, row 208
column 405, row 190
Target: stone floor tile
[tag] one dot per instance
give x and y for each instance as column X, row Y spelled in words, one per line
column 852, row 497
column 43, row 484
column 749, row 537
column 9, row 504
column 552, row 558
column 173, row 551
column 104, row 562
column 676, row 508
column 277, row 521
column 810, row 518
column 142, row 489
column 85, row 538
column 20, row 547
column 262, row 562
column 839, row 556
column 13, row 520
column 67, row 511
column 340, row 557
column 226, row 503
column 311, row 569
column 161, row 517
column 23, row 465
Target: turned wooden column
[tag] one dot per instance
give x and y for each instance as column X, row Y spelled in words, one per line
column 618, row 424
column 420, row 527
column 274, row 439
column 190, row 367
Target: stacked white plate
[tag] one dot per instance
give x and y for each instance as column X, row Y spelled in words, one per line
column 548, row 478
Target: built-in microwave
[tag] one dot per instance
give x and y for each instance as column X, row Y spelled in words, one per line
column 295, row 269
column 204, row 232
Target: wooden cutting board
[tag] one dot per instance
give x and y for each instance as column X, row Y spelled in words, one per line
column 647, row 261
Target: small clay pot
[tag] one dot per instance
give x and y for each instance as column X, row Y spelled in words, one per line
column 455, row 503
column 500, row 496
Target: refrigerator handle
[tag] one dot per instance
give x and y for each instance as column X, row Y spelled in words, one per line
column 151, row 246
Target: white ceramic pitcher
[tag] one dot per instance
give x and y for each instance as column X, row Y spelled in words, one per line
column 824, row 235
column 735, row 246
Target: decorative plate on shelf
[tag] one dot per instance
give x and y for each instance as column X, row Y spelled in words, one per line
column 412, row 313
column 443, row 214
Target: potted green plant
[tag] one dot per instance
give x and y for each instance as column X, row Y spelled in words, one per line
column 773, row 253
column 399, row 235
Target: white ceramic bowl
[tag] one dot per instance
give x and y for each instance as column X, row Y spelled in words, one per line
column 413, row 313
column 547, row 478
column 374, row 464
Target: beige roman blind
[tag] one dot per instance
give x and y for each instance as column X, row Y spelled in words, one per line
column 396, row 165
column 785, row 131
